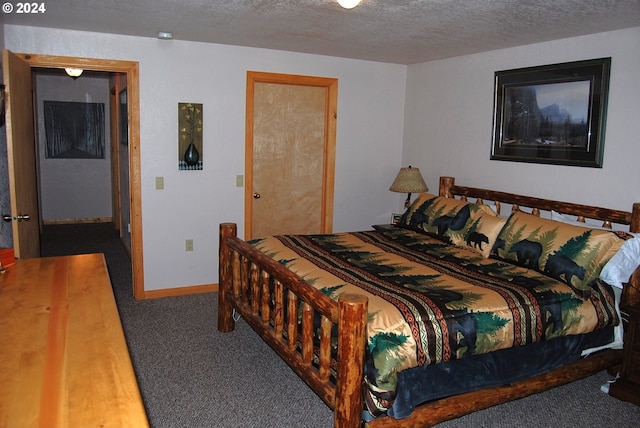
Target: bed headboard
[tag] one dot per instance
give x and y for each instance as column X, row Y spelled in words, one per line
column 533, row 205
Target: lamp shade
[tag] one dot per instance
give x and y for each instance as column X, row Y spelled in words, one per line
column 409, row 180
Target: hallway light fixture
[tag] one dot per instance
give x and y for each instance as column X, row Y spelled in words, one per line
column 348, row 4
column 74, row 72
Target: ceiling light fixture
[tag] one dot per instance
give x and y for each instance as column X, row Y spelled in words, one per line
column 348, row 4
column 74, row 72
column 165, row 35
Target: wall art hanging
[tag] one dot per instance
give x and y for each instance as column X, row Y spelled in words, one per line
column 552, row 114
column 74, row 130
column 190, row 136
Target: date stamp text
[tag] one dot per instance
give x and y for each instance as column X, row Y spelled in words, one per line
column 24, row 8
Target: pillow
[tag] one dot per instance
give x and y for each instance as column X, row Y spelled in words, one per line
column 619, row 268
column 480, row 233
column 438, row 216
column 574, row 255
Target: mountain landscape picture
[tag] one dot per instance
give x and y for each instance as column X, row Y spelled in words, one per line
column 555, row 114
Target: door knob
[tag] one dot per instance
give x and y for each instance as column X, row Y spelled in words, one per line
column 256, row 195
column 8, row 218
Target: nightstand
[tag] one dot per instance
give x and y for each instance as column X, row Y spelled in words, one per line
column 627, row 387
column 383, row 227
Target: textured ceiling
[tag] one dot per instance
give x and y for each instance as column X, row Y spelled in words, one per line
column 395, row 31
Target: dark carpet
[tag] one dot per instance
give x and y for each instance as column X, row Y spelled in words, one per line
column 190, row 375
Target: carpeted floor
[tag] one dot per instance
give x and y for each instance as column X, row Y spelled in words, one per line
column 190, row 375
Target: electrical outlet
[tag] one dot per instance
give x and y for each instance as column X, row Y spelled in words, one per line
column 188, row 245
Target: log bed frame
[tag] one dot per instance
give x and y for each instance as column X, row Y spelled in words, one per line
column 245, row 278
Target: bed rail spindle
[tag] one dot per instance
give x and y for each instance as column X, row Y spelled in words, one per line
column 264, row 297
column 278, row 309
column 255, row 289
column 325, row 348
column 244, row 280
column 307, row 333
column 292, row 320
column 498, row 206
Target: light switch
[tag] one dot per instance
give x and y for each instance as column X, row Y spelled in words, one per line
column 239, row 180
column 159, row 183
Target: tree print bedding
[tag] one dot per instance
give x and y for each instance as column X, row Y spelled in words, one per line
column 432, row 302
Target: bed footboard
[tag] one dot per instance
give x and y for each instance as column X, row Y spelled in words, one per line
column 297, row 321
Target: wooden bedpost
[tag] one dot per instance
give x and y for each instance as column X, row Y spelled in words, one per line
column 225, row 310
column 631, row 291
column 352, row 315
column 446, row 183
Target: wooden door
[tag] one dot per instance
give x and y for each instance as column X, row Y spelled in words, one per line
column 290, row 154
column 21, row 156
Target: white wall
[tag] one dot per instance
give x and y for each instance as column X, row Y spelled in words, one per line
column 73, row 188
column 371, row 100
column 449, row 114
column 444, row 128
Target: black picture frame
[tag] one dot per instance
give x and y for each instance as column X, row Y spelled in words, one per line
column 124, row 117
column 552, row 114
column 74, row 130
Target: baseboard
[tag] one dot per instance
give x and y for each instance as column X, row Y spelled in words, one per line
column 78, row 220
column 180, row 291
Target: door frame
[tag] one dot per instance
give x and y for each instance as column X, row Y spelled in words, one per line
column 131, row 69
column 331, row 116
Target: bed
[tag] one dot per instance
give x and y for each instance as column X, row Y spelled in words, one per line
column 476, row 292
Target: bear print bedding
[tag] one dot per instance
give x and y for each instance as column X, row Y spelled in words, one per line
column 453, row 281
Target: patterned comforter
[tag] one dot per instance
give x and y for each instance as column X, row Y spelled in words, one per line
column 431, row 302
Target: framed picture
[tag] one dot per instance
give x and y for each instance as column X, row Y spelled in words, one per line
column 124, row 118
column 395, row 218
column 190, row 136
column 74, row 130
column 553, row 114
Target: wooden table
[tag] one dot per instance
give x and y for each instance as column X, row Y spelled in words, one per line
column 64, row 361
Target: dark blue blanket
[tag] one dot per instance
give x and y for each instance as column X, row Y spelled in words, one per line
column 423, row 384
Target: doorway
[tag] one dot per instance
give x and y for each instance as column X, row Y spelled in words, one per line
column 130, row 69
column 76, row 158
